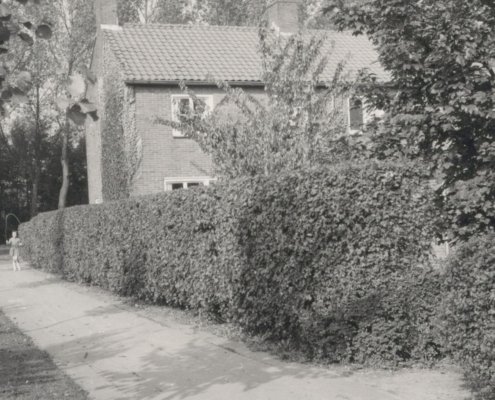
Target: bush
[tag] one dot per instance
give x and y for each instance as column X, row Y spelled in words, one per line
column 331, row 262
column 469, row 312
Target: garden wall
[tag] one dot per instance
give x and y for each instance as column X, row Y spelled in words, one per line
column 330, row 262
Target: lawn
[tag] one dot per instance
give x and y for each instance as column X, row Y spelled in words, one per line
column 28, row 373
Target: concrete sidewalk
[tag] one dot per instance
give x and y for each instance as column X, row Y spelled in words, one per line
column 114, row 352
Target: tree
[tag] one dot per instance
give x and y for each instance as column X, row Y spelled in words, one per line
column 74, row 34
column 440, row 104
column 27, row 98
column 47, row 67
column 298, row 124
column 211, row 12
column 15, row 24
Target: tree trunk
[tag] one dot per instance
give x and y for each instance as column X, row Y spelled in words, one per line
column 37, row 158
column 64, row 160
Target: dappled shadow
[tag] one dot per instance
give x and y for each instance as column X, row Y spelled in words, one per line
column 91, row 348
column 199, row 367
column 150, row 367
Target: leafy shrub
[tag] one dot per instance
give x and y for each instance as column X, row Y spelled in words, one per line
column 331, row 262
column 469, row 312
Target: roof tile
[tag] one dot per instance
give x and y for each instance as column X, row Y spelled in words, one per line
column 164, row 53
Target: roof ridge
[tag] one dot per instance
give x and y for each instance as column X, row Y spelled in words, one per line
column 189, row 26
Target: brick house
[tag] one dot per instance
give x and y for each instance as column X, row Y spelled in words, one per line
column 142, row 65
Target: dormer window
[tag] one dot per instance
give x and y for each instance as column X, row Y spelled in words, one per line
column 182, row 105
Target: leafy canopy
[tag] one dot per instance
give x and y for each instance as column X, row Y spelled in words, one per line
column 441, row 103
column 294, row 122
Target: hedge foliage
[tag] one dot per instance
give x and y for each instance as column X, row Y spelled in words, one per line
column 469, row 312
column 331, row 262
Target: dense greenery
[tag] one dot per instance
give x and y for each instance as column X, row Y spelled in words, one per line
column 17, row 172
column 331, row 262
column 297, row 123
column 439, row 102
column 211, row 12
column 469, row 312
column 36, row 120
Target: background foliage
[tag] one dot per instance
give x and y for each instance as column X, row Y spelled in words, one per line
column 297, row 123
column 305, row 258
column 440, row 104
column 213, row 12
column 41, row 148
column 469, row 312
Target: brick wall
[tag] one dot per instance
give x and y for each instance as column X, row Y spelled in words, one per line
column 163, row 155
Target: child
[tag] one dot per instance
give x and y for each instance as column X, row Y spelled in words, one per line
column 15, row 243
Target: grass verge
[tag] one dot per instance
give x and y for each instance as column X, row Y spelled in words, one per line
column 27, row 373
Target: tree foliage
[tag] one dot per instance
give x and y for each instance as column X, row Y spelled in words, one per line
column 296, row 121
column 18, row 165
column 440, row 103
column 47, row 68
column 17, row 34
column 468, row 312
column 212, row 12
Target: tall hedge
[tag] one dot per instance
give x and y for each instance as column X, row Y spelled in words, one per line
column 332, row 262
column 469, row 312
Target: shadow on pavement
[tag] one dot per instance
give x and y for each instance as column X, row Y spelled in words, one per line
column 176, row 372
column 27, row 372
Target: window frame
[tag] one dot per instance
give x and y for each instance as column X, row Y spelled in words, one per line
column 365, row 115
column 168, row 182
column 175, row 99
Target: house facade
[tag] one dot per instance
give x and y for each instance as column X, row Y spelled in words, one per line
column 138, row 69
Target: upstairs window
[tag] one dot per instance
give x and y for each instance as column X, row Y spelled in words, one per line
column 356, row 114
column 359, row 116
column 182, row 105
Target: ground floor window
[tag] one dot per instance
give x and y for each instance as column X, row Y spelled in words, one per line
column 185, row 183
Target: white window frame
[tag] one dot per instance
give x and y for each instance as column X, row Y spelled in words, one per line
column 175, row 99
column 205, row 180
column 367, row 116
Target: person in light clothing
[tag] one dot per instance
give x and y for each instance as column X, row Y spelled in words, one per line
column 15, row 243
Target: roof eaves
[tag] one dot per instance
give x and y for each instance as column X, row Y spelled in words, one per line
column 163, row 82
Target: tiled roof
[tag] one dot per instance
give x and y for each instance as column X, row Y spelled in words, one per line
column 169, row 53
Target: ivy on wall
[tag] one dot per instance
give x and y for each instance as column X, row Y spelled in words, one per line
column 121, row 144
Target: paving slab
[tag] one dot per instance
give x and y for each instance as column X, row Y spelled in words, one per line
column 114, row 352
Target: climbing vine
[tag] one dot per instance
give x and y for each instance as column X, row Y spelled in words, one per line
column 121, row 144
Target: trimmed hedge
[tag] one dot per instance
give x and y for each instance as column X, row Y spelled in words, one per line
column 469, row 312
column 331, row 262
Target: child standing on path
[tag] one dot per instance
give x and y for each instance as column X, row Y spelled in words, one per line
column 15, row 243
